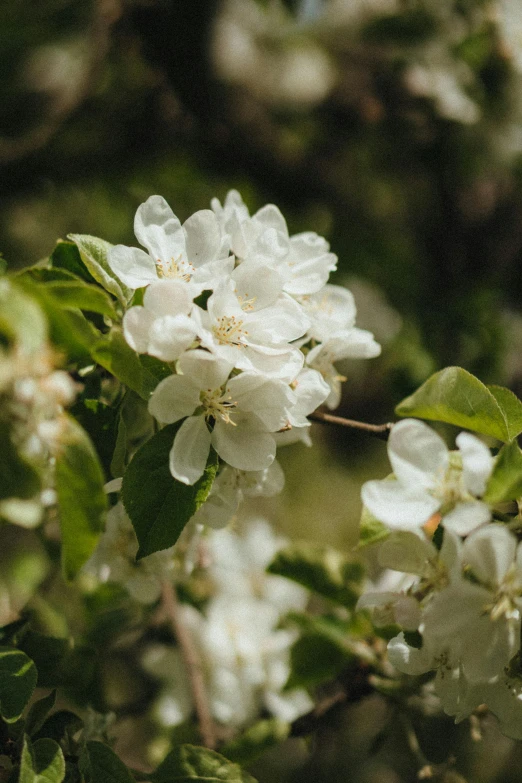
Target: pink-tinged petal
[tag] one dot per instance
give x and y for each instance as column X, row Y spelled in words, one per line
column 170, row 336
column 174, row 398
column 205, row 370
column 490, row 552
column 158, row 229
column 465, row 517
column 189, row 454
column 168, row 297
column 137, row 323
column 132, row 266
column 202, row 237
column 477, row 463
column 243, row 448
column 417, row 454
column 391, row 504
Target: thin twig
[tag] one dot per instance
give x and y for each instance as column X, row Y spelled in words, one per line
column 192, row 662
column 381, row 431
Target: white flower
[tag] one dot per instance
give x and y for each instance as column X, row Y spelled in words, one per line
column 114, row 560
column 303, row 261
column 427, row 480
column 244, row 411
column 196, row 253
column 352, row 344
column 162, row 327
column 252, row 339
column 229, row 488
column 480, row 619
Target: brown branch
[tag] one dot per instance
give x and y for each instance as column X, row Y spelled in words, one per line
column 381, row 431
column 192, row 662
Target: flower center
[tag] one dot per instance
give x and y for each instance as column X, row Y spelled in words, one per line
column 506, row 599
column 449, row 487
column 228, row 330
column 176, row 268
column 218, row 405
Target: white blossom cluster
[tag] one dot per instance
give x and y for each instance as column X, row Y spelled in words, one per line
column 245, row 316
column 33, row 394
column 460, row 608
column 114, row 560
column 244, row 653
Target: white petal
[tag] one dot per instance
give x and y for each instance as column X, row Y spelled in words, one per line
column 417, row 454
column 137, row 323
column 270, row 216
column 405, row 551
column 168, row 297
column 488, row 649
column 207, row 371
column 203, row 237
column 490, row 552
column 257, row 286
column 354, row 344
column 408, row 659
column 267, row 398
column 465, row 517
column 283, row 321
column 158, row 229
column 477, row 463
column 311, row 392
column 170, row 336
column 400, row 510
column 243, row 448
column 189, row 454
column 133, row 266
column 174, row 398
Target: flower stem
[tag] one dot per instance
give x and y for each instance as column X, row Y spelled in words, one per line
column 381, row 431
column 192, row 662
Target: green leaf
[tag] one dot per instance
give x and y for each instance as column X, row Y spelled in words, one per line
column 158, row 505
column 75, row 294
column 511, row 408
column 42, row 762
column 100, row 764
column 59, row 726
column 69, row 330
column 21, row 320
column 18, row 479
column 81, row 499
column 67, row 256
column 140, row 373
column 371, row 530
column 194, row 764
column 94, row 254
column 316, row 658
column 255, row 740
column 506, row 480
column 135, row 426
column 48, row 654
column 18, row 677
column 456, row 397
column 321, row 569
column 38, row 713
